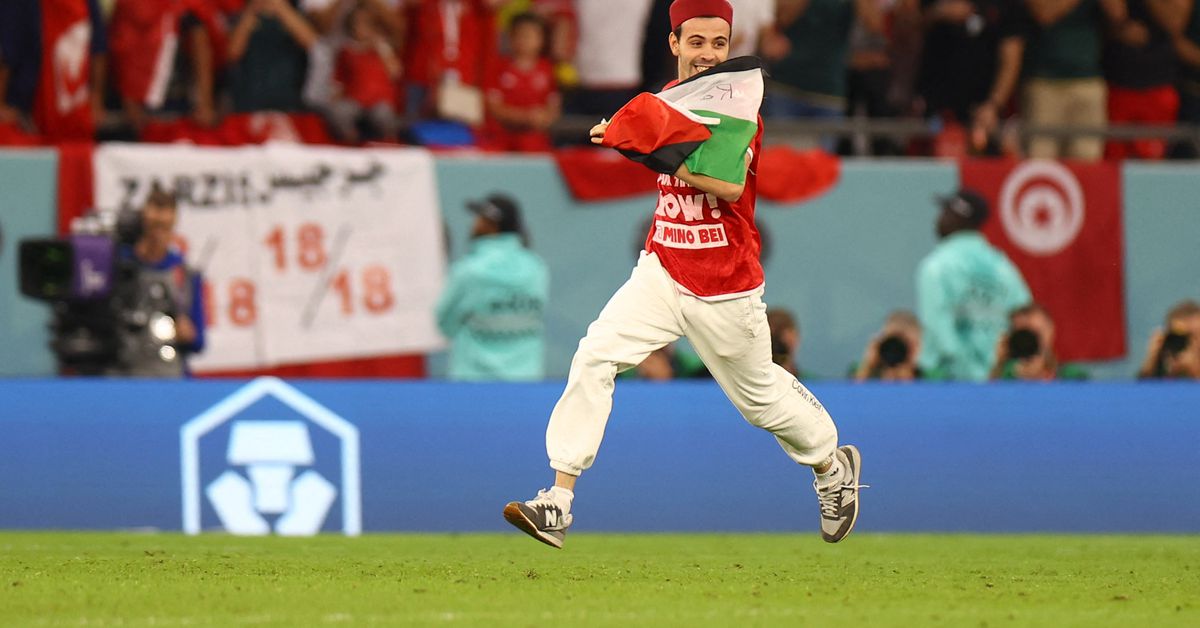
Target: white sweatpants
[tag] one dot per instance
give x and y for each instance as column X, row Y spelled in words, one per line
column 733, row 339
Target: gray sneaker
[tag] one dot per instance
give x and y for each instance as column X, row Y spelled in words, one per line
column 540, row 518
column 839, row 502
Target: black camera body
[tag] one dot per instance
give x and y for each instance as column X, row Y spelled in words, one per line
column 1023, row 344
column 1175, row 343
column 83, row 266
column 894, row 351
column 104, row 310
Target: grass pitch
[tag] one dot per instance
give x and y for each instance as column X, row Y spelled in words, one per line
column 52, row 579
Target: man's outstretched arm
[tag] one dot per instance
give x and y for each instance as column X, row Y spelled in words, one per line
column 723, row 190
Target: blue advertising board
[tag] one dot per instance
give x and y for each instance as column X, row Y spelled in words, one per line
column 344, row 457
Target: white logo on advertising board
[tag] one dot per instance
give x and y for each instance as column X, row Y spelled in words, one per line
column 275, row 485
column 1042, row 207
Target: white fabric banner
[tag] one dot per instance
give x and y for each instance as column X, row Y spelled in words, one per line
column 308, row 253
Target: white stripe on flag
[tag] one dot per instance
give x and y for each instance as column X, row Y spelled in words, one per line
column 694, row 117
column 735, row 94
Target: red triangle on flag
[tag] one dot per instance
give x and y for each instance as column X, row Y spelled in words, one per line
column 649, row 131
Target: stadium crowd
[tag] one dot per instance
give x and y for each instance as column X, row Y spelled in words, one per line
column 499, row 74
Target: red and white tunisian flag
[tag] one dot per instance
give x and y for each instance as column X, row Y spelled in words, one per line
column 63, row 108
column 1061, row 225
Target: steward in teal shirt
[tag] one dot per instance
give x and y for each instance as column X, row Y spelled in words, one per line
column 965, row 291
column 492, row 309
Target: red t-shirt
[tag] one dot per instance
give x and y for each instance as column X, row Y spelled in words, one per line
column 710, row 247
column 520, row 88
column 144, row 36
column 364, row 76
column 141, row 32
column 450, row 37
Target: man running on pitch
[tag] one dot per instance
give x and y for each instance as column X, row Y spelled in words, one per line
column 700, row 277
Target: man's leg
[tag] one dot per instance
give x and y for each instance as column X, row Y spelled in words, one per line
column 1088, row 99
column 640, row 318
column 1044, row 106
column 385, row 122
column 343, row 116
column 734, row 340
column 1121, row 109
column 1158, row 106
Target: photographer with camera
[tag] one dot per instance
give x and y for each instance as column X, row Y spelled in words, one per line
column 1026, row 351
column 160, row 301
column 1174, row 352
column 160, row 265
column 892, row 353
column 123, row 301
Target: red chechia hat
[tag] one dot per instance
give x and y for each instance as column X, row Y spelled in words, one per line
column 684, row 10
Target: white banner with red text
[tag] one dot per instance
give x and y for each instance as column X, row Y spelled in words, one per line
column 308, row 253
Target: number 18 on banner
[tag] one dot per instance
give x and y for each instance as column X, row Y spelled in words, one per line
column 331, row 286
column 371, row 294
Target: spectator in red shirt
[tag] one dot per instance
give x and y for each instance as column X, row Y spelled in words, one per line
column 451, row 43
column 367, row 71
column 328, row 17
column 522, row 100
column 145, row 37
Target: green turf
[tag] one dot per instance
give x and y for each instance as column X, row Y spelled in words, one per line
column 605, row 580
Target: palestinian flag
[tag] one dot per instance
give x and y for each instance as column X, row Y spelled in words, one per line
column 707, row 121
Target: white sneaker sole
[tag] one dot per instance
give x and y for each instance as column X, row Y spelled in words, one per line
column 513, row 514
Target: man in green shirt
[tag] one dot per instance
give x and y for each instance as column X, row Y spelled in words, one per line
column 492, row 309
column 965, row 290
column 808, row 54
column 1064, row 84
column 268, row 56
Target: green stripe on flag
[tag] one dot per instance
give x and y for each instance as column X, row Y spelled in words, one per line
column 723, row 156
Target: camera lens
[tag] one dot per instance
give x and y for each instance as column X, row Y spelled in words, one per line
column 47, row 268
column 1022, row 344
column 1174, row 343
column 893, row 350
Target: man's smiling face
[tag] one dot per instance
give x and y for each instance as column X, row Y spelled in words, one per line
column 703, row 42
